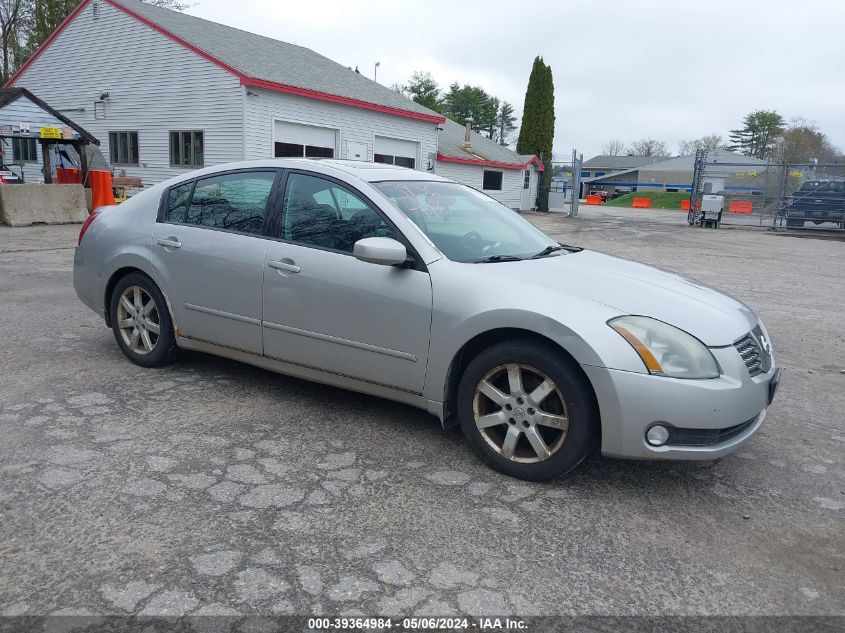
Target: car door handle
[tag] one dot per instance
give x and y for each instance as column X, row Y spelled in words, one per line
column 291, row 268
column 169, row 243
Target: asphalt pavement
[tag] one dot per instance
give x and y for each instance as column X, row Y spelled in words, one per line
column 212, row 487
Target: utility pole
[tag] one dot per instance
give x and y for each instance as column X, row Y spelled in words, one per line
column 375, row 71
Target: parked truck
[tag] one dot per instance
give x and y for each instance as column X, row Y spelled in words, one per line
column 816, row 201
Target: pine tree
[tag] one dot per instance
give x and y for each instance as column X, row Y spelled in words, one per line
column 536, row 136
column 424, row 90
column 505, row 123
column 758, row 133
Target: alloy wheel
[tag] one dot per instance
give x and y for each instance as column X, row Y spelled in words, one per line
column 520, row 413
column 138, row 320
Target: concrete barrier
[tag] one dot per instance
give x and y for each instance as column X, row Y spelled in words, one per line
column 21, row 205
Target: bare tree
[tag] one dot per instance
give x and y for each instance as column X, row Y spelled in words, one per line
column 11, row 22
column 614, row 147
column 169, row 4
column 649, row 147
column 709, row 141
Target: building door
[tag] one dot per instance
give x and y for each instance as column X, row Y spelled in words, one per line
column 395, row 151
column 296, row 140
column 526, row 203
column 356, row 151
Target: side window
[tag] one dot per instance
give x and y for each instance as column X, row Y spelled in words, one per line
column 321, row 213
column 235, row 202
column 177, row 203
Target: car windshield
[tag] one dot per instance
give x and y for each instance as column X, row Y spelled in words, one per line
column 466, row 225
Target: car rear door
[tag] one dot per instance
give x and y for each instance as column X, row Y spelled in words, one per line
column 325, row 309
column 208, row 249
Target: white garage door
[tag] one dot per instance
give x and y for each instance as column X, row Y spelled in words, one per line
column 298, row 140
column 395, row 151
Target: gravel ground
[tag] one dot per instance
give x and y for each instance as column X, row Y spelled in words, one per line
column 214, row 487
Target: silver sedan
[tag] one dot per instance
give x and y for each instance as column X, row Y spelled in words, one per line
column 409, row 286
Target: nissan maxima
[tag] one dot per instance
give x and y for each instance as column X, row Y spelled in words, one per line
column 402, row 284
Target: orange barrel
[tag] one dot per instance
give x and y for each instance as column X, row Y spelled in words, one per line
column 642, row 203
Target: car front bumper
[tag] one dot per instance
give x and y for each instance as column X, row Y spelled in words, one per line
column 710, row 418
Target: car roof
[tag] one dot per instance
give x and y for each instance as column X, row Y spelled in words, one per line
column 367, row 171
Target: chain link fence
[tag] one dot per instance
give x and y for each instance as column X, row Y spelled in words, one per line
column 776, row 195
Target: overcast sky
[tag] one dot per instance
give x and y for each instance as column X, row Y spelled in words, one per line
column 670, row 69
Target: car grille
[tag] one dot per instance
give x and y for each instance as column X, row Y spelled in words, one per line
column 705, row 437
column 755, row 357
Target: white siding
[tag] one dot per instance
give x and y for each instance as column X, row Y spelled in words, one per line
column 357, row 125
column 470, row 175
column 154, row 85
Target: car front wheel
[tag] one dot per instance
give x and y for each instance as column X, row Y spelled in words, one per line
column 527, row 411
column 140, row 321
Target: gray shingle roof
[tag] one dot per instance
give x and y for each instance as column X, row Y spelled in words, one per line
column 620, row 162
column 451, row 138
column 271, row 60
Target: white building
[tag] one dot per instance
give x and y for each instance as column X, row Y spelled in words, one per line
column 166, row 92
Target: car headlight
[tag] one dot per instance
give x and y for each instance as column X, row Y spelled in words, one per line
column 665, row 350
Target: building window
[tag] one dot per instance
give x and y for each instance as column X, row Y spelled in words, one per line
column 123, row 148
column 671, row 190
column 526, row 180
column 187, row 149
column 24, row 150
column 585, row 174
column 295, row 150
column 598, row 173
column 492, row 180
column 400, row 161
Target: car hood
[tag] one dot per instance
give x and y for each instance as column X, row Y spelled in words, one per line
column 633, row 288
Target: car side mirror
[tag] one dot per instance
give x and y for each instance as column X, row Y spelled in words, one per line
column 380, row 250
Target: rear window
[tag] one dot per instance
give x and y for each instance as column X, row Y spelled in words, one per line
column 823, row 185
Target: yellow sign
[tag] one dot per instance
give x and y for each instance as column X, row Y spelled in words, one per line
column 50, row 132
column 794, row 173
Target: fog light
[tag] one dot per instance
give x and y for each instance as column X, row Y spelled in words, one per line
column 657, row 435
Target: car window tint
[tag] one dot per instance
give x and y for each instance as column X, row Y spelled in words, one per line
column 177, row 203
column 321, row 213
column 235, row 202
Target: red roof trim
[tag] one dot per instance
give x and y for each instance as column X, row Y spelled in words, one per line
column 47, row 42
column 324, row 96
column 244, row 79
column 490, row 163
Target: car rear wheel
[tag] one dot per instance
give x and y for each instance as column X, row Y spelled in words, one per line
column 141, row 322
column 527, row 411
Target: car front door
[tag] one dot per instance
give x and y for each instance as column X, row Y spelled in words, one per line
column 327, row 310
column 208, row 247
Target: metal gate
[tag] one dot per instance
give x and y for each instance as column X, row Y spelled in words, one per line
column 806, row 196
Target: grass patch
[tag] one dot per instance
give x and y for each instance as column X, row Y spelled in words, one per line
column 659, row 199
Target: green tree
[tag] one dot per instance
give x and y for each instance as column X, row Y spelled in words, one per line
column 46, row 16
column 760, row 129
column 505, row 120
column 536, row 135
column 462, row 102
column 422, row 88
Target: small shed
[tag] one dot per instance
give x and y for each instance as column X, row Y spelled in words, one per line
column 25, row 119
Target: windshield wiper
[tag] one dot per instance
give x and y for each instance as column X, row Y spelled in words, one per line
column 498, row 258
column 557, row 247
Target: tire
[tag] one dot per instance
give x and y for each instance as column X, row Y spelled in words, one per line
column 138, row 339
column 565, row 418
column 794, row 223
